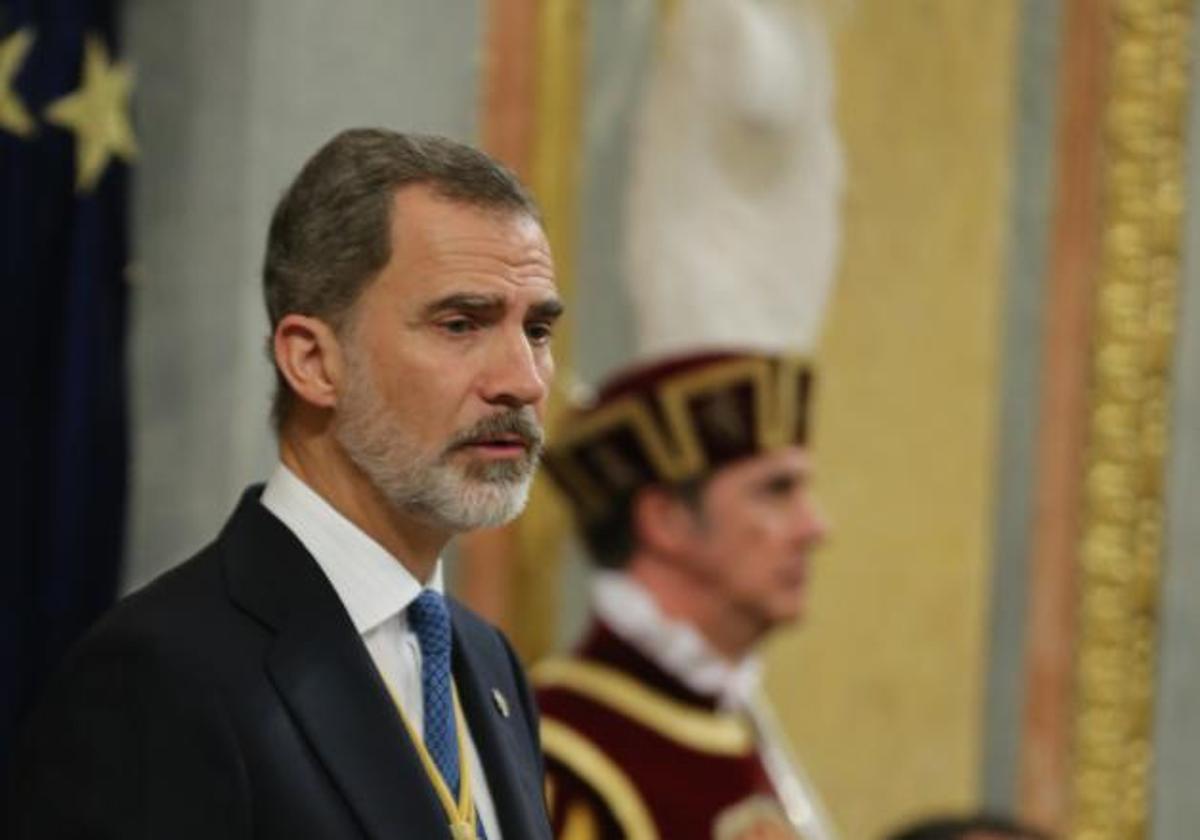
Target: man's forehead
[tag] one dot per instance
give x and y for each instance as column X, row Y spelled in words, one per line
column 791, row 458
column 743, row 475
column 528, row 253
column 479, row 288
column 476, row 245
column 420, row 206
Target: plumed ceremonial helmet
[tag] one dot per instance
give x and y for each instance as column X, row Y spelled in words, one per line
column 732, row 236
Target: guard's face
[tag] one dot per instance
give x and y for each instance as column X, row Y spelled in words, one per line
column 448, row 362
column 757, row 528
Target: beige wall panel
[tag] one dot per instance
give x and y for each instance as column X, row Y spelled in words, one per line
column 881, row 689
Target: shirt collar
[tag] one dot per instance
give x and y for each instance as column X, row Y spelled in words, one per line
column 372, row 584
column 631, row 612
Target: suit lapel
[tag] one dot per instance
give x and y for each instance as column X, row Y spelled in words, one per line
column 326, row 679
column 480, row 665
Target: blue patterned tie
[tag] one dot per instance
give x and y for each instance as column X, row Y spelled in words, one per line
column 430, row 620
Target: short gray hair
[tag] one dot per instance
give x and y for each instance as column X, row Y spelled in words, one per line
column 330, row 233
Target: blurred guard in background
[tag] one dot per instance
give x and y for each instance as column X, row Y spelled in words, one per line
column 689, row 472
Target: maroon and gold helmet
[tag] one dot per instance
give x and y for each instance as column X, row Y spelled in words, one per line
column 731, row 237
column 674, row 421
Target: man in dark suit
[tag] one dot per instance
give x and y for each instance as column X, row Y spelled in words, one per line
column 304, row 676
column 690, row 477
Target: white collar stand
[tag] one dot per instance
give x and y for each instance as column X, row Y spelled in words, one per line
column 631, row 612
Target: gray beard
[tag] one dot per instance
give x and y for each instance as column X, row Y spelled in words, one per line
column 435, row 490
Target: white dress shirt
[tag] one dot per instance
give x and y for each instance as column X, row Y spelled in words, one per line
column 376, row 589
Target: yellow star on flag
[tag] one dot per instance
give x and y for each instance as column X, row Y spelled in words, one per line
column 98, row 113
column 13, row 116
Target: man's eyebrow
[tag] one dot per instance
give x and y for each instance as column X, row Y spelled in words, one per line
column 463, row 302
column 547, row 310
column 485, row 305
column 788, row 475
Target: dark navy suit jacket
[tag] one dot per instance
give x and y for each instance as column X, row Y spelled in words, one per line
column 233, row 698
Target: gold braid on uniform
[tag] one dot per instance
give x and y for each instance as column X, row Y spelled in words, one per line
column 585, row 760
column 720, row 734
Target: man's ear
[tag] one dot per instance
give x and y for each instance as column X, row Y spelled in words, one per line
column 309, row 357
column 664, row 523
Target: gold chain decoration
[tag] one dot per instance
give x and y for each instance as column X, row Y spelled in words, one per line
column 1135, row 315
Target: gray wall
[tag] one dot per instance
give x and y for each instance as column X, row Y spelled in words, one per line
column 1032, row 206
column 232, row 96
column 1177, row 720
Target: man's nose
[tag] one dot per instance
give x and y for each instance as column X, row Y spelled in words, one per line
column 812, row 525
column 518, row 373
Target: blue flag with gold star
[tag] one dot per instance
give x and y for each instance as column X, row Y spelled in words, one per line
column 65, row 144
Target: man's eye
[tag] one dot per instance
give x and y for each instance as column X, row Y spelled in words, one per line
column 540, row 333
column 780, row 487
column 458, row 326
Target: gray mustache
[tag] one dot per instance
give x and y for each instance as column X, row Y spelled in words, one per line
column 521, row 422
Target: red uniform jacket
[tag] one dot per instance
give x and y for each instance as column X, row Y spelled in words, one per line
column 632, row 753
